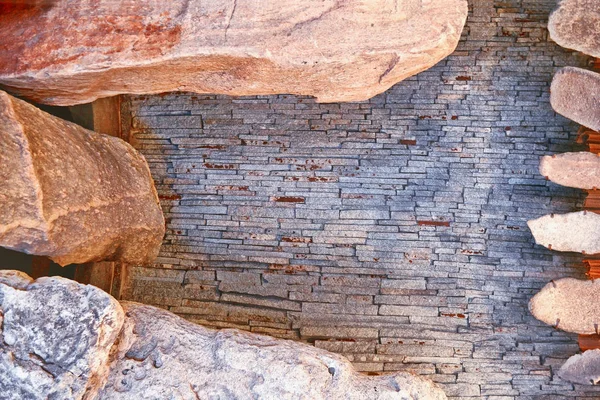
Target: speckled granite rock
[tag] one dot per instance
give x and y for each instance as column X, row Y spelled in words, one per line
column 575, row 25
column 63, row 340
column 56, row 336
column 583, row 369
column 334, row 50
column 71, row 194
column 569, row 304
column 577, row 170
column 577, row 232
column 164, row 356
column 574, row 95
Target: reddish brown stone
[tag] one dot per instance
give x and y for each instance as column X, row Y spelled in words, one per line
column 74, row 53
column 71, row 194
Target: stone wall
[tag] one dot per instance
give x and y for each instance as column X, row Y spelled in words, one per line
column 392, row 231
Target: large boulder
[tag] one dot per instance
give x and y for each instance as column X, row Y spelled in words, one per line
column 575, row 24
column 71, row 194
column 574, row 95
column 583, row 369
column 63, row 340
column 570, row 305
column 164, row 356
column 576, row 170
column 55, row 337
column 575, row 232
column 335, row 50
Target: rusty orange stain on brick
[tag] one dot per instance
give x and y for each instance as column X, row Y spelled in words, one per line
column 287, row 199
column 408, row 142
column 169, row 196
column 289, row 239
column 219, row 166
column 462, row 316
column 464, row 78
column 433, row 223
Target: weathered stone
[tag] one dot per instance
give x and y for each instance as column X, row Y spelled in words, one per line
column 576, row 232
column 64, row 340
column 56, row 336
column 582, row 368
column 334, row 50
column 569, row 304
column 72, row 194
column 577, row 170
column 574, row 95
column 575, row 25
column 164, row 356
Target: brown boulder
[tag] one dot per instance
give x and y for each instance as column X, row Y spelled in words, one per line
column 574, row 95
column 72, row 194
column 576, row 170
column 574, row 25
column 577, row 232
column 570, row 305
column 334, row 50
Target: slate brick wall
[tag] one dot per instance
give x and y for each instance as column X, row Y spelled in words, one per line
column 392, row 231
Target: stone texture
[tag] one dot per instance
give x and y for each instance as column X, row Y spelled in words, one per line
column 460, row 143
column 569, row 304
column 64, row 340
column 575, row 25
column 165, row 356
column 577, row 232
column 71, row 194
column 334, row 50
column 583, row 369
column 576, row 170
column 574, row 95
column 56, row 336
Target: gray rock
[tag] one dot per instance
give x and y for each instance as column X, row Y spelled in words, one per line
column 72, row 194
column 63, row 340
column 575, row 25
column 164, row 356
column 334, row 50
column 574, row 95
column 583, row 369
column 577, row 170
column 56, row 336
column 569, row 304
column 576, row 232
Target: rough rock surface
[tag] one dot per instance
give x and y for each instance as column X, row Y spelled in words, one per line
column 577, row 232
column 575, row 25
column 569, row 304
column 64, row 340
column 72, row 194
column 577, row 170
column 55, row 337
column 582, row 368
column 164, row 356
column 574, row 95
column 334, row 50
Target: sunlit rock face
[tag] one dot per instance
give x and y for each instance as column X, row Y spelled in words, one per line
column 574, row 95
column 576, row 170
column 75, row 52
column 583, row 369
column 577, row 232
column 71, row 194
column 569, row 304
column 575, row 25
column 64, row 340
column 164, row 356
